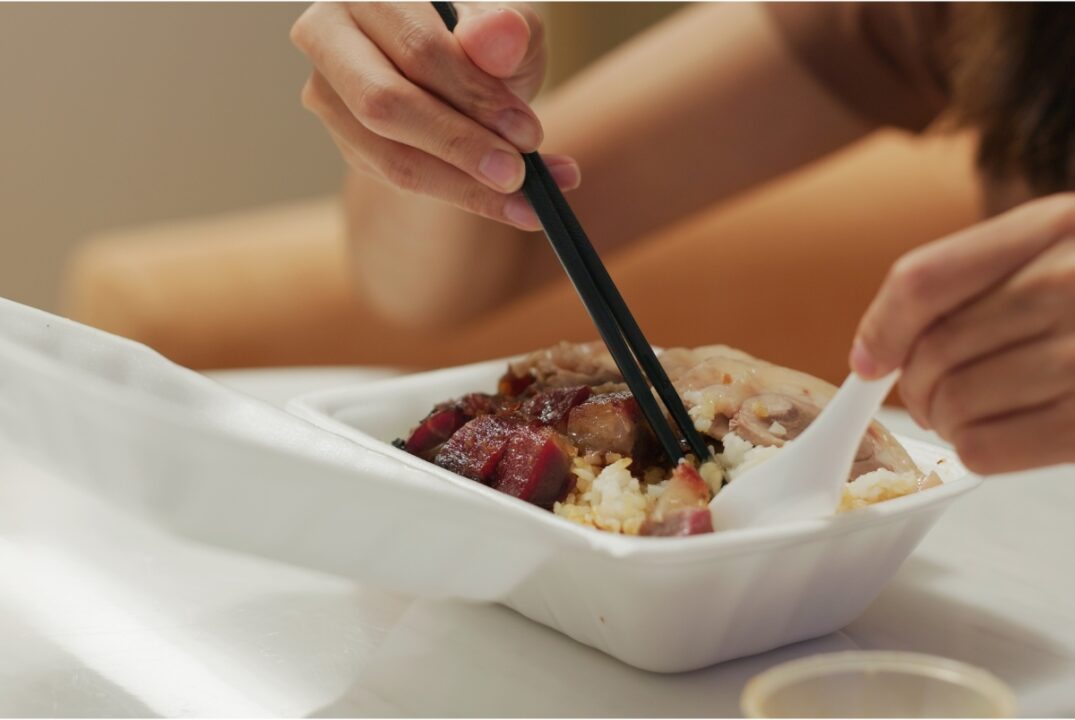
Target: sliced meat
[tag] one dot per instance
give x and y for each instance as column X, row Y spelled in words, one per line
column 606, row 423
column 474, row 404
column 568, row 364
column 773, row 419
column 688, row 521
column 512, row 385
column 476, row 448
column 880, row 450
column 447, row 417
column 685, row 489
column 683, row 507
column 729, row 385
column 436, row 428
column 552, row 406
column 535, row 466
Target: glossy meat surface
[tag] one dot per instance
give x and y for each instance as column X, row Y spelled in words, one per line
column 535, row 466
column 476, row 448
column 728, row 390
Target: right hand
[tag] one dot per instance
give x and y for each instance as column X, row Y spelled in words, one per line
column 429, row 111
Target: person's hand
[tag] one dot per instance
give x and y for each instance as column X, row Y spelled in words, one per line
column 983, row 325
column 429, row 111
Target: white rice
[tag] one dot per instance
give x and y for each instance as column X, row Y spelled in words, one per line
column 740, row 455
column 607, row 497
column 702, row 409
column 877, row 486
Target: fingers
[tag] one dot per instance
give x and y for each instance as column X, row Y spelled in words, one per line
column 415, row 41
column 411, row 169
column 394, row 109
column 1024, row 377
column 938, row 278
column 1019, row 440
column 1010, row 315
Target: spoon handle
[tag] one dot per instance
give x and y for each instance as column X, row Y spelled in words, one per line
column 830, row 444
column 856, row 402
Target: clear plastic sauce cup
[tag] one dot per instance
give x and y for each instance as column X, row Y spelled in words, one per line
column 876, row 684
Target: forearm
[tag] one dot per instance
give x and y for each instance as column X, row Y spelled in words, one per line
column 423, row 262
column 706, row 105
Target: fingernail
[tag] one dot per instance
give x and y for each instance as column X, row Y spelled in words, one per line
column 517, row 209
column 505, row 170
column 567, row 177
column 519, row 129
column 862, row 361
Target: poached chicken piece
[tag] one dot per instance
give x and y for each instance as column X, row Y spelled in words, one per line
column 726, row 390
column 563, row 433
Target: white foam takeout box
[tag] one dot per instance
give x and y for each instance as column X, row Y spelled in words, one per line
column 664, row 604
column 219, row 467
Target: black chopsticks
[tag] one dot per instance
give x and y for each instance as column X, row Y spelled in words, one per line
column 618, row 328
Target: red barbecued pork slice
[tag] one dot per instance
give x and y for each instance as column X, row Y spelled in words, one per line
column 476, row 448
column 606, row 423
column 535, row 466
column 476, row 404
column 511, row 384
column 686, row 488
column 553, row 406
column 437, row 427
column 683, row 507
column 687, row 521
column 445, row 419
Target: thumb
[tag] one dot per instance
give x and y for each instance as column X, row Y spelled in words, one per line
column 504, row 42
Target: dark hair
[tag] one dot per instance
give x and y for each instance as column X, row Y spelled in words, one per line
column 1013, row 77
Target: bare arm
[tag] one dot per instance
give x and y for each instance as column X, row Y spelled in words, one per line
column 706, row 105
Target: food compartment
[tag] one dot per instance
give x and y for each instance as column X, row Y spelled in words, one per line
column 667, row 604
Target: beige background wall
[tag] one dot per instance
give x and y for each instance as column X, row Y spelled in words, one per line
column 120, row 114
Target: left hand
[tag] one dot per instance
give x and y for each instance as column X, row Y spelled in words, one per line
column 983, row 324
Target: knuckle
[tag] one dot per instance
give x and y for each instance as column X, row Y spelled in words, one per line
column 480, row 97
column 460, row 148
column 402, row 172
column 379, row 103
column 419, row 48
column 300, row 32
column 911, row 279
column 480, row 201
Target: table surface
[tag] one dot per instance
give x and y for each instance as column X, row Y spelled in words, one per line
column 103, row 614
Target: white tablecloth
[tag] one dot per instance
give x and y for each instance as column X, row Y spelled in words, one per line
column 101, row 614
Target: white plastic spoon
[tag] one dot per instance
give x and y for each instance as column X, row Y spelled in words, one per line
column 806, row 478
